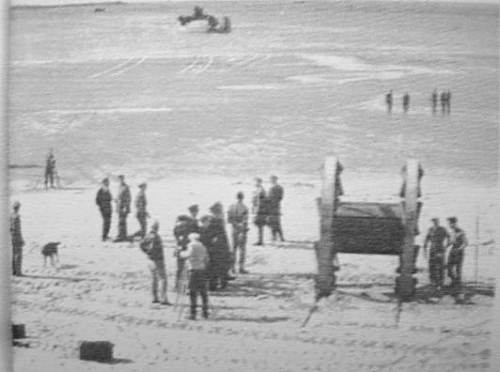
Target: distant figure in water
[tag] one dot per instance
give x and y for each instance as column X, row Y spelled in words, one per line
column 443, row 98
column 123, row 209
column 388, row 101
column 434, row 101
column 198, row 12
column 50, row 169
column 448, row 102
column 141, row 210
column 406, row 102
column 274, row 198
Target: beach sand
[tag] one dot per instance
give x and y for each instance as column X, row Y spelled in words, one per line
column 101, row 292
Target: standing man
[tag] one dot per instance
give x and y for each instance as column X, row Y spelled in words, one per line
column 259, row 209
column 152, row 245
column 237, row 216
column 458, row 243
column 193, row 214
column 50, row 169
column 443, row 97
column 439, row 239
column 123, row 208
column 406, row 102
column 103, row 201
column 448, row 102
column 16, row 239
column 388, row 102
column 141, row 210
column 275, row 195
column 434, row 101
column 197, row 257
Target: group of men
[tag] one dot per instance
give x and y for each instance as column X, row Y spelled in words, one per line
column 123, row 201
column 438, row 239
column 444, row 98
column 389, row 102
column 222, row 259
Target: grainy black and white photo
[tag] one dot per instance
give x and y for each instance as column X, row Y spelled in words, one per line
column 252, row 185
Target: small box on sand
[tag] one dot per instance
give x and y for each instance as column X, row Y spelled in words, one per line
column 18, row 331
column 100, row 351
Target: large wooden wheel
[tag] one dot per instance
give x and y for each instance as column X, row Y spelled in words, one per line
column 405, row 283
column 325, row 248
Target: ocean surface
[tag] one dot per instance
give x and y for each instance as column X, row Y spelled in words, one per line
column 129, row 90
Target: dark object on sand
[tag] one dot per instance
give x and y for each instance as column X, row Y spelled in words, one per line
column 50, row 250
column 18, row 331
column 98, row 10
column 367, row 228
column 213, row 23
column 99, row 351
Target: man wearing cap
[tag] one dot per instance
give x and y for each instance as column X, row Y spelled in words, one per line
column 275, row 195
column 152, row 245
column 259, row 209
column 123, row 208
column 237, row 216
column 458, row 243
column 141, row 211
column 438, row 239
column 16, row 239
column 103, row 201
column 197, row 258
column 193, row 213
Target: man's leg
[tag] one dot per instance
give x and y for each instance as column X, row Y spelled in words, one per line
column 459, row 269
column 279, row 229
column 243, row 252
column 202, row 288
column 154, row 282
column 163, row 283
column 260, row 229
column 193, row 293
column 18, row 258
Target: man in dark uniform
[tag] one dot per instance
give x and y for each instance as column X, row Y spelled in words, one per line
column 443, row 100
column 274, row 197
column 152, row 245
column 259, row 209
column 103, row 201
column 458, row 243
column 123, row 208
column 141, row 210
column 16, row 239
column 438, row 238
column 193, row 213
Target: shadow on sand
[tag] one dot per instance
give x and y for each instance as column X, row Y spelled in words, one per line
column 76, row 280
column 260, row 319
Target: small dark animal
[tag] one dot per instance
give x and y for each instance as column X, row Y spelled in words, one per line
column 50, row 250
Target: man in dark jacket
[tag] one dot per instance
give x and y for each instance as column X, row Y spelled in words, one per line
column 152, row 245
column 438, row 238
column 141, row 210
column 274, row 197
column 184, row 226
column 16, row 239
column 103, row 201
column 458, row 243
column 123, row 208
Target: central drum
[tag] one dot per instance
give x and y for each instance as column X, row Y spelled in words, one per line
column 368, row 228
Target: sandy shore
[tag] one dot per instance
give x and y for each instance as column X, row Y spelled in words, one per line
column 101, row 292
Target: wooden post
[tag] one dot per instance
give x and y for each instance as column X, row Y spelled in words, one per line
column 476, row 253
column 405, row 283
column 325, row 249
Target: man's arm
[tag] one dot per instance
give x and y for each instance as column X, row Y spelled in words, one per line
column 186, row 253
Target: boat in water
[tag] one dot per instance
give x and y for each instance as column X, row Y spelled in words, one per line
column 201, row 21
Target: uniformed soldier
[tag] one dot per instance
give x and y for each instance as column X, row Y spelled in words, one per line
column 141, row 210
column 274, row 197
column 237, row 216
column 438, row 239
column 152, row 245
column 123, row 208
column 17, row 239
column 193, row 213
column 103, row 201
column 458, row 243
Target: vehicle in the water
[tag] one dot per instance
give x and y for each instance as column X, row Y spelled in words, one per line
column 213, row 24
